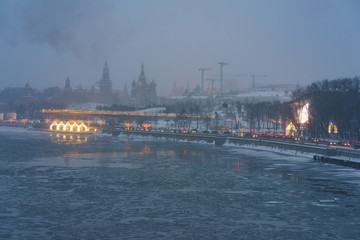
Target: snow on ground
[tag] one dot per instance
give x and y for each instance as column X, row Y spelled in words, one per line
column 84, row 106
column 92, row 107
column 239, row 148
column 347, row 158
column 264, row 94
column 188, row 97
column 13, row 129
column 242, row 148
column 235, row 147
column 271, row 149
column 152, row 110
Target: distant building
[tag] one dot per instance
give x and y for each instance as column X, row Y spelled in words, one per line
column 104, row 94
column 67, row 92
column 176, row 91
column 143, row 93
column 195, row 92
column 105, row 84
column 27, row 96
column 276, row 92
column 11, row 115
column 4, row 108
column 67, row 87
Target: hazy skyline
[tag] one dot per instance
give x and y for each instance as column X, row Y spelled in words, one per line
column 43, row 42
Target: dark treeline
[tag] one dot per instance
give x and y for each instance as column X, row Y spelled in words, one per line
column 12, row 95
column 267, row 115
column 337, row 101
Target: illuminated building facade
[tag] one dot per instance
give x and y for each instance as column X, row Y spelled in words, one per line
column 332, row 128
column 303, row 114
column 290, row 129
column 11, row 115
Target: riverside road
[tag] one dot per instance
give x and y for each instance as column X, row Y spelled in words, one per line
column 220, row 139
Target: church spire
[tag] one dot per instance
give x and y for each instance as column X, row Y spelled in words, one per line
column 27, row 90
column 67, row 85
column 142, row 78
column 106, row 74
column 105, row 82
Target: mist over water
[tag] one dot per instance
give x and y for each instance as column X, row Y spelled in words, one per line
column 101, row 187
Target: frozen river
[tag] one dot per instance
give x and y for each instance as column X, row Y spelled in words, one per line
column 101, row 187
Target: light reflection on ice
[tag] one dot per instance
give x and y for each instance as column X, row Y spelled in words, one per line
column 140, row 187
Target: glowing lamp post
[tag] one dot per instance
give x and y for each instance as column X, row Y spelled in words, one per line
column 128, row 125
column 146, row 126
column 332, row 129
column 24, row 121
column 89, row 122
column 100, row 123
column 47, row 120
column 290, row 129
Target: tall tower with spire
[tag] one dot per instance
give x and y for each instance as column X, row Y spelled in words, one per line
column 67, row 92
column 142, row 78
column 105, row 82
column 67, row 87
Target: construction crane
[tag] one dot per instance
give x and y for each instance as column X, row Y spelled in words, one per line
column 202, row 70
column 221, row 74
column 217, row 79
column 253, row 76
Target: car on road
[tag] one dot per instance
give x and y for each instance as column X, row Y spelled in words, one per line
column 345, row 143
column 297, row 139
column 315, row 139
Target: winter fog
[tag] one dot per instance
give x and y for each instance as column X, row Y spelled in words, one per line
column 44, row 42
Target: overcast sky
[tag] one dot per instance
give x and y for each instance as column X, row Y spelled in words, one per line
column 291, row 41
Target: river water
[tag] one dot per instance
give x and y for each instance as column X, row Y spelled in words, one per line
column 104, row 187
